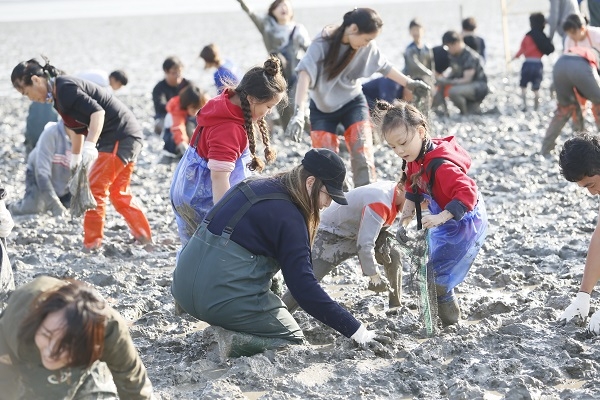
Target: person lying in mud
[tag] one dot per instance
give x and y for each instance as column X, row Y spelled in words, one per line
column 361, row 228
column 223, row 274
column 48, row 174
column 60, row 340
column 579, row 162
column 435, row 172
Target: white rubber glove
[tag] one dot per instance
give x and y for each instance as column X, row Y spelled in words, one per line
column 75, row 161
column 6, row 221
column 89, row 154
column 378, row 284
column 578, row 307
column 295, row 127
column 363, row 335
column 594, row 324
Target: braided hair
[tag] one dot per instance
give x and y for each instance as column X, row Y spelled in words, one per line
column 389, row 117
column 263, row 84
column 25, row 70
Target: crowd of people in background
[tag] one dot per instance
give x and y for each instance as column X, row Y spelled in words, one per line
column 234, row 238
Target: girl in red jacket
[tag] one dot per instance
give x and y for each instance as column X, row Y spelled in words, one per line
column 435, row 172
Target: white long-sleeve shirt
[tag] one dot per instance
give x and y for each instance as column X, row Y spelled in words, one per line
column 370, row 208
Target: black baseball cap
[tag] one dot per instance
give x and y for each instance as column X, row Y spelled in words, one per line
column 330, row 169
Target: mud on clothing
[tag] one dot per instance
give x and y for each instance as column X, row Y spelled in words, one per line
column 21, row 365
column 225, row 279
column 219, row 143
column 454, row 244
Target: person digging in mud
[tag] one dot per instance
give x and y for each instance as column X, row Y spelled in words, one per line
column 579, row 162
column 105, row 139
column 435, row 171
column 575, row 78
column 60, row 340
column 223, row 274
column 361, row 228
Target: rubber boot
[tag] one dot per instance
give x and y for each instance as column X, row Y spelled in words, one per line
column 536, row 101
column 388, row 254
column 460, row 102
column 237, row 344
column 325, row 140
column 448, row 307
column 596, row 114
column 359, row 141
column 524, row 100
column 561, row 116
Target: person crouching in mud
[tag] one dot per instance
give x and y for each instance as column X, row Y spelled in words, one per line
column 224, row 273
column 579, row 162
column 361, row 227
column 436, row 172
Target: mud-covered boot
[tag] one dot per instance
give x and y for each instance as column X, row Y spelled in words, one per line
column 388, row 253
column 561, row 116
column 536, row 102
column 596, row 114
column 524, row 100
column 448, row 307
column 237, row 344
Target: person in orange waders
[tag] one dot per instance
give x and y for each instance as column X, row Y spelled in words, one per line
column 330, row 73
column 106, row 138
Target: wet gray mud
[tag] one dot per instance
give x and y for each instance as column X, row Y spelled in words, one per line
column 507, row 345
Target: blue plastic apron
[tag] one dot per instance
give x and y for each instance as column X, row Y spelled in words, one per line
column 191, row 190
column 454, row 245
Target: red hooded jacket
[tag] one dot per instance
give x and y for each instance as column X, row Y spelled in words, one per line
column 221, row 129
column 453, row 190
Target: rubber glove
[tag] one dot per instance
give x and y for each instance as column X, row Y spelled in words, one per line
column 75, row 161
column 413, row 84
column 402, row 235
column 181, row 148
column 578, row 307
column 594, row 324
column 378, row 284
column 363, row 335
column 6, row 221
column 89, row 154
column 296, row 126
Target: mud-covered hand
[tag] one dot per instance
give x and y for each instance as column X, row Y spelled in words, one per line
column 89, row 154
column 580, row 306
column 75, row 161
column 295, row 127
column 378, row 284
column 433, row 220
column 402, row 235
column 594, row 324
column 6, row 221
column 413, row 84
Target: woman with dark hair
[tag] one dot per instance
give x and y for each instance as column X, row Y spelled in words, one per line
column 331, row 69
column 224, row 273
column 60, row 340
column 222, row 150
column 106, row 138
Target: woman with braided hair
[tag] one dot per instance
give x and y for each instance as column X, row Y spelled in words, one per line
column 435, row 173
column 222, row 149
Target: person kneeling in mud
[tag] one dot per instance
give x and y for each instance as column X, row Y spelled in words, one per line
column 579, row 162
column 48, row 174
column 361, row 227
column 224, row 273
column 59, row 339
column 435, row 172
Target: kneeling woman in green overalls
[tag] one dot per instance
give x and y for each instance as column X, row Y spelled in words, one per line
column 224, row 273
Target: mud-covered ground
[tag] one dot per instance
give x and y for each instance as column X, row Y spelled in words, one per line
column 507, row 346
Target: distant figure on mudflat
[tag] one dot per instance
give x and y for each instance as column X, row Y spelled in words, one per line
column 226, row 72
column 471, row 39
column 559, row 11
column 166, row 89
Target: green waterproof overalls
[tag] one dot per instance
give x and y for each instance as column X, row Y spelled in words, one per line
column 220, row 282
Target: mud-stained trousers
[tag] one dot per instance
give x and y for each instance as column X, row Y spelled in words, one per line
column 330, row 250
column 358, row 134
column 572, row 75
column 110, row 178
